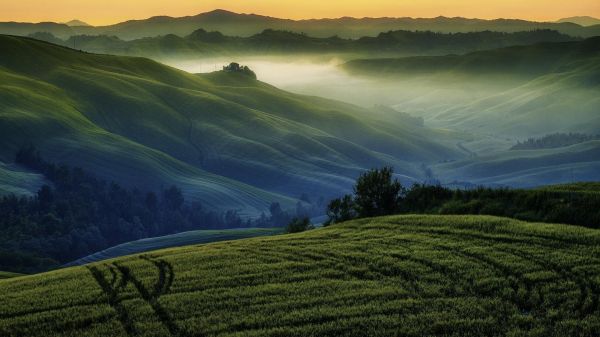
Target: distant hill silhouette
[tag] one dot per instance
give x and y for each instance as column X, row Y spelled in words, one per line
column 235, row 24
column 581, row 20
column 392, row 43
column 77, row 23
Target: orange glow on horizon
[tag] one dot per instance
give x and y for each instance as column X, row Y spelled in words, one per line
column 104, row 12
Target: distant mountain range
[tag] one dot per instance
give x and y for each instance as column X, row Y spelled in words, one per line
column 235, row 24
column 269, row 42
column 581, row 20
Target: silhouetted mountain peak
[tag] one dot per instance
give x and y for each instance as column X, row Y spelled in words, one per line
column 219, row 13
column 581, row 20
column 205, row 36
column 77, row 23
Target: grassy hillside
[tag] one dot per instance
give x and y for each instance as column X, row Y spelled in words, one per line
column 581, row 20
column 526, row 168
column 18, row 180
column 5, row 275
column 175, row 240
column 226, row 139
column 402, row 275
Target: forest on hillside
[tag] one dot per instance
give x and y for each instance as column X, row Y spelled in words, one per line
column 77, row 214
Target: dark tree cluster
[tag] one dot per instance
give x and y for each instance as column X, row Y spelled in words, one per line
column 376, row 193
column 77, row 214
column 553, row 141
column 234, row 67
column 298, row 225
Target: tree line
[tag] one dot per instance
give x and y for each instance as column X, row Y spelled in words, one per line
column 554, row 140
column 281, row 41
column 377, row 193
column 77, row 214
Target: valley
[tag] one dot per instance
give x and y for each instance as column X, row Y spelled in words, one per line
column 238, row 174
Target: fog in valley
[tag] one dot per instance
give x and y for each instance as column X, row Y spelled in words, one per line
column 452, row 100
column 487, row 114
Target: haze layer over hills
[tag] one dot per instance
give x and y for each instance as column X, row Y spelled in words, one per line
column 225, row 138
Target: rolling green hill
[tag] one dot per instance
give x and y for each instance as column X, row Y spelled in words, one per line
column 18, row 181
column 5, row 275
column 224, row 138
column 526, row 168
column 401, row 275
column 235, row 24
column 175, row 240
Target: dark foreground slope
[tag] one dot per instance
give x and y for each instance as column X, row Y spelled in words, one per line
column 403, row 275
column 226, row 139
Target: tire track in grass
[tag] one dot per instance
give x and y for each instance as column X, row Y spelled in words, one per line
column 522, row 304
column 162, row 286
column 528, row 303
column 337, row 260
column 112, row 292
column 587, row 288
column 452, row 273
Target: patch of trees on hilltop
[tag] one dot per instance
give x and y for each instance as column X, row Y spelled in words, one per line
column 377, row 193
column 553, row 141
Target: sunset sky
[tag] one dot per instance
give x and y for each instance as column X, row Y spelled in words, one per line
column 102, row 12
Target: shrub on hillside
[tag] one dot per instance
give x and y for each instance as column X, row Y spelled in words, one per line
column 298, row 225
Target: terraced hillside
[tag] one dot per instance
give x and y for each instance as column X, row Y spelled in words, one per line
column 224, row 138
column 527, row 168
column 401, row 275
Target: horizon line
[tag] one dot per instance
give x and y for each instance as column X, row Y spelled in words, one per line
column 299, row 19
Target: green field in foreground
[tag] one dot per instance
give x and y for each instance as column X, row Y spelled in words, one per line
column 400, row 275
